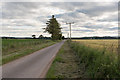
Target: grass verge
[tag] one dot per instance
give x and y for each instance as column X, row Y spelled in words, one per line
column 65, row 65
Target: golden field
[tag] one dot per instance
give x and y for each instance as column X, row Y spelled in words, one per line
column 100, row 57
column 109, row 45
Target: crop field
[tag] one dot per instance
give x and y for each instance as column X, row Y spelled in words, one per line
column 100, row 57
column 10, row 46
column 15, row 48
column 109, row 46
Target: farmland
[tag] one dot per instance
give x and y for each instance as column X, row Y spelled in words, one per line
column 99, row 57
column 91, row 58
column 109, row 46
column 15, row 48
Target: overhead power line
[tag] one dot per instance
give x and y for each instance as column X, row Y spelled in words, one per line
column 70, row 27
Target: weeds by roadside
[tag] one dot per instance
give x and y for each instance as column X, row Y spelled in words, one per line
column 98, row 64
column 76, row 60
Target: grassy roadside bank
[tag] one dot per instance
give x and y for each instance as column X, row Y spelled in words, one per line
column 65, row 65
column 80, row 61
column 14, row 49
column 98, row 63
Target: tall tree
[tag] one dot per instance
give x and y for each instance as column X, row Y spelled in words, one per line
column 34, row 36
column 53, row 28
column 41, row 36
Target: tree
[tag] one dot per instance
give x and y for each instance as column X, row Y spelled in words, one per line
column 34, row 36
column 41, row 36
column 53, row 28
column 63, row 37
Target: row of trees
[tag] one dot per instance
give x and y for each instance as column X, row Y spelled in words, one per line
column 34, row 36
column 53, row 28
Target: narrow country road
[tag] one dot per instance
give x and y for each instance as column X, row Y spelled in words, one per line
column 34, row 65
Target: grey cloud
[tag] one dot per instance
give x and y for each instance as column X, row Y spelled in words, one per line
column 89, row 8
column 97, row 10
column 78, row 30
column 13, row 10
column 84, row 30
column 93, row 27
column 72, row 6
column 110, row 19
column 79, row 12
column 111, row 29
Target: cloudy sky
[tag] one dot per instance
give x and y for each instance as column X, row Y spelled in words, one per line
column 22, row 19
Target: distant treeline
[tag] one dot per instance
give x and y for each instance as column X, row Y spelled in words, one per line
column 105, row 37
column 25, row 38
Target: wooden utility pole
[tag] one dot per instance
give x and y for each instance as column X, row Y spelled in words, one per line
column 68, row 35
column 70, row 28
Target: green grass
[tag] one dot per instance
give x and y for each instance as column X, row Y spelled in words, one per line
column 15, row 48
column 98, row 64
column 51, row 72
column 65, row 64
column 76, row 60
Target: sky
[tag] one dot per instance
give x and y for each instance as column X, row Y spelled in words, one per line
column 23, row 19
